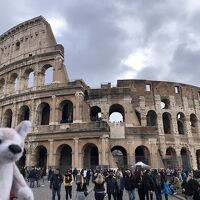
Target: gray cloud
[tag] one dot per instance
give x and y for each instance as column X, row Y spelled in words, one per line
column 101, row 34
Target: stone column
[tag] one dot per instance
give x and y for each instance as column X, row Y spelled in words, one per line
column 103, row 150
column 142, row 110
column 14, row 115
column 193, row 159
column 39, row 78
column 22, row 84
column 76, row 153
column 51, row 153
column 53, row 111
column 187, row 126
column 78, row 107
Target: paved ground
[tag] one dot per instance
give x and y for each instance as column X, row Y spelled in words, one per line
column 44, row 193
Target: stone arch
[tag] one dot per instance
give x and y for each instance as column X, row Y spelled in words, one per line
column 170, row 160
column 90, row 156
column 14, row 82
column 64, row 155
column 41, row 156
column 28, row 78
column 17, row 45
column 2, row 86
column 165, row 103
column 95, row 113
column 142, row 154
column 47, row 71
column 167, row 122
column 119, row 154
column 198, row 158
column 21, row 163
column 24, row 113
column 66, row 111
column 151, row 118
column 185, row 158
column 43, row 113
column 7, row 118
column 117, row 112
column 194, row 123
column 181, row 123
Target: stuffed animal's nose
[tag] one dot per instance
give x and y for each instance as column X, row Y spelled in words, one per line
column 15, row 148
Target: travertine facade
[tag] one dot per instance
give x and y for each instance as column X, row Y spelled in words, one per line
column 70, row 120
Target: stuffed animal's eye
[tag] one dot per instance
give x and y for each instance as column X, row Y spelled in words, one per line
column 1, row 141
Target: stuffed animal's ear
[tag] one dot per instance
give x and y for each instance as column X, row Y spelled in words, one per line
column 23, row 127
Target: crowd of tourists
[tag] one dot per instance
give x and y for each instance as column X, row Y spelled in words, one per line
column 150, row 184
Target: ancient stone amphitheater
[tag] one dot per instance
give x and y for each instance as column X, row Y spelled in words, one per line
column 71, row 121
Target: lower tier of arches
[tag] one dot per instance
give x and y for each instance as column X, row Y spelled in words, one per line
column 91, row 153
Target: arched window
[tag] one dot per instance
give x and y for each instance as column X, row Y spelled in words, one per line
column 48, row 74
column 151, row 118
column 23, row 113
column 167, row 123
column 2, row 86
column 17, row 47
column 90, row 156
column 14, row 82
column 116, row 113
column 41, row 157
column 7, row 118
column 194, row 123
column 185, row 157
column 28, row 78
column 142, row 154
column 165, row 103
column 66, row 108
column 95, row 113
column 44, row 113
column 181, row 123
column 120, row 156
column 64, row 159
column 170, row 160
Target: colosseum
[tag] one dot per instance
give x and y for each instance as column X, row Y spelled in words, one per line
column 71, row 124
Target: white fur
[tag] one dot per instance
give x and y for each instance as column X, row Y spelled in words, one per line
column 10, row 176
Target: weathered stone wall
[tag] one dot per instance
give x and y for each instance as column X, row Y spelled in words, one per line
column 149, row 130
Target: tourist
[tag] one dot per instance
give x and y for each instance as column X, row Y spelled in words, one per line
column 111, row 185
column 140, row 185
column 99, row 188
column 130, row 184
column 68, row 182
column 50, row 173
column 158, row 181
column 55, row 184
column 149, row 185
column 120, row 185
column 166, row 189
column 32, row 177
column 81, row 188
column 75, row 173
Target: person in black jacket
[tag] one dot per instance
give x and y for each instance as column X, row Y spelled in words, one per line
column 130, row 184
column 149, row 185
column 55, row 184
column 190, row 187
column 99, row 188
column 32, row 177
column 140, row 185
column 111, row 185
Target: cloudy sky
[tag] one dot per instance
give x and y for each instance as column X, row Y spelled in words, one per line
column 106, row 40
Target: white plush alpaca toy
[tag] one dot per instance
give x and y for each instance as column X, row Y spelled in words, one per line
column 11, row 149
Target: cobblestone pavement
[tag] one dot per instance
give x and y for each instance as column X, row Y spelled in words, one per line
column 44, row 193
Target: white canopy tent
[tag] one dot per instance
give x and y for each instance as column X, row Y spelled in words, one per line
column 142, row 165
